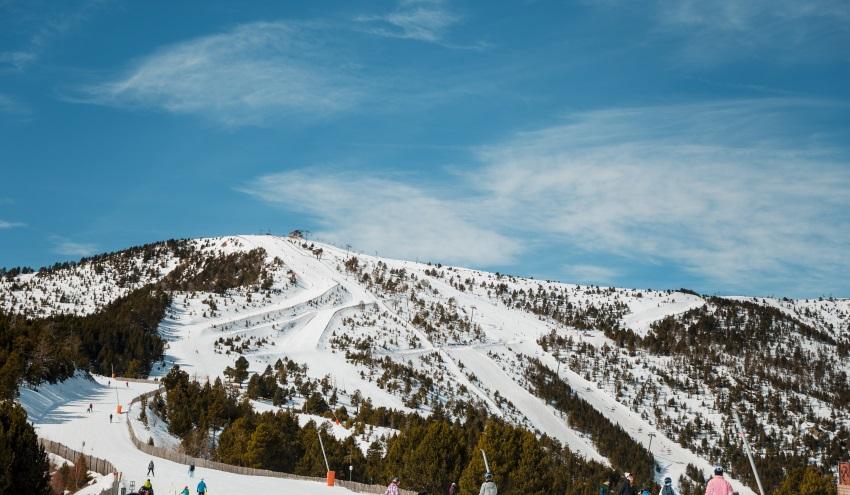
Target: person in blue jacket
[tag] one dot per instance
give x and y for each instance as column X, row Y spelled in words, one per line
column 202, row 487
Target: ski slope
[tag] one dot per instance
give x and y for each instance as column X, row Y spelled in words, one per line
column 545, row 419
column 58, row 412
column 303, row 322
column 304, row 317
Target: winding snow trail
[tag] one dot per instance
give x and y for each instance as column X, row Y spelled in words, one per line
column 58, row 412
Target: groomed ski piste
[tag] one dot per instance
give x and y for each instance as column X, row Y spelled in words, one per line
column 300, row 321
column 58, row 412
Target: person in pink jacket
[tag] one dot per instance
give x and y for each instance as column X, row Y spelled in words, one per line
column 718, row 485
column 392, row 489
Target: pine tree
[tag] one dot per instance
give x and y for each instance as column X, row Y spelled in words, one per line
column 261, row 448
column 23, row 463
column 806, row 481
column 240, row 370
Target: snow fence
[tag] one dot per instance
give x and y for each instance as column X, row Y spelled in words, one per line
column 96, row 464
column 178, row 457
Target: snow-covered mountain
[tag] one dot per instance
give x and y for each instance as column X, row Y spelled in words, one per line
column 669, row 367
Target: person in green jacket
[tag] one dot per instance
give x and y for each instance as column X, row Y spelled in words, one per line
column 185, row 490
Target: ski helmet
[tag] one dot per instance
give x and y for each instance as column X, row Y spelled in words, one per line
column 488, row 476
column 668, row 481
column 718, row 471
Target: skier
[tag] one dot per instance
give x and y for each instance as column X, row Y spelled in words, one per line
column 185, row 490
column 718, row 485
column 202, row 487
column 110, row 417
column 645, row 491
column 453, row 489
column 488, row 487
column 147, row 488
column 150, row 469
column 192, row 470
column 667, row 489
column 392, row 488
column 626, row 486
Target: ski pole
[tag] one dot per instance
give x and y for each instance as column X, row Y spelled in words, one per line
column 486, row 464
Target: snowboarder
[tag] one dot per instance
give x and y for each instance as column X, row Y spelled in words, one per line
column 185, row 490
column 488, row 487
column 453, row 489
column 147, row 488
column 718, row 485
column 392, row 489
column 202, row 487
column 667, row 489
column 192, row 469
column 150, row 469
column 626, row 486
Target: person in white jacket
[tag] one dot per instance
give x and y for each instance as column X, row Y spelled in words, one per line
column 488, row 487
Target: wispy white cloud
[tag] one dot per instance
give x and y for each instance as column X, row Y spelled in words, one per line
column 10, row 225
column 46, row 24
column 17, row 59
column 421, row 20
column 728, row 192
column 732, row 16
column 710, row 32
column 720, row 190
column 391, row 217
column 71, row 248
column 9, row 104
column 249, row 75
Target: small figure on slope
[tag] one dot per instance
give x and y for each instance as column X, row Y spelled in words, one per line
column 718, row 485
column 185, row 490
column 202, row 487
column 488, row 487
column 147, row 488
column 150, row 469
column 667, row 489
column 392, row 488
column 626, row 486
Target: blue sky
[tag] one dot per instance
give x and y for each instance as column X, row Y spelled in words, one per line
column 701, row 144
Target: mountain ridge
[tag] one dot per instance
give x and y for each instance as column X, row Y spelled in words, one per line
column 472, row 333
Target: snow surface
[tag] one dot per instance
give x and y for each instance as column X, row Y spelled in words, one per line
column 58, row 412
